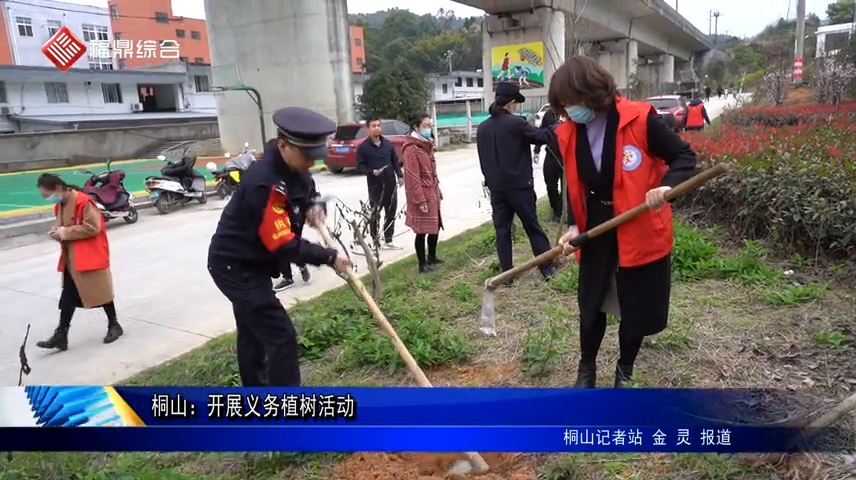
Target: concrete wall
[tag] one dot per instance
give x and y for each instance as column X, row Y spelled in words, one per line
column 296, row 53
column 28, row 151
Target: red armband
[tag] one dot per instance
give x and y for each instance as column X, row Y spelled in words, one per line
column 275, row 229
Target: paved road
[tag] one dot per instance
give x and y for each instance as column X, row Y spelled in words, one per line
column 164, row 297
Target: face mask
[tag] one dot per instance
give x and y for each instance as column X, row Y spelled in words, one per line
column 425, row 133
column 55, row 199
column 580, row 114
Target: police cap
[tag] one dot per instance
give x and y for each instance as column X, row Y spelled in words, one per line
column 305, row 129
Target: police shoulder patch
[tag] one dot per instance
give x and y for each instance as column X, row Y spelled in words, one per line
column 631, row 158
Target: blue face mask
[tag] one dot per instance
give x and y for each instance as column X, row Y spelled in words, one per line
column 55, row 199
column 580, row 114
column 425, row 133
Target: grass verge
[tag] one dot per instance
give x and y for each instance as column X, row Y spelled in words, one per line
column 738, row 320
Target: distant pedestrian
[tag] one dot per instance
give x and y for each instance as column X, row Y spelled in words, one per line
column 707, row 93
column 695, row 116
column 422, row 190
column 553, row 166
column 504, row 143
column 719, row 91
column 84, row 260
column 377, row 160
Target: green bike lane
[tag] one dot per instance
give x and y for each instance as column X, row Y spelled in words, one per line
column 18, row 193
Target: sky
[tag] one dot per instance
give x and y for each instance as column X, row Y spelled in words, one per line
column 740, row 18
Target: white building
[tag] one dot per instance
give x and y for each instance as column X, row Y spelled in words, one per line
column 832, row 38
column 83, row 98
column 37, row 96
column 31, row 23
column 457, row 86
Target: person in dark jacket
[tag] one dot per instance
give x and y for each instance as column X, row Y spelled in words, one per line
column 553, row 168
column 504, row 143
column 255, row 236
column 286, row 280
column 623, row 156
column 695, row 116
column 378, row 161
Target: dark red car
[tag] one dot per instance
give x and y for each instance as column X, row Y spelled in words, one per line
column 342, row 148
column 673, row 105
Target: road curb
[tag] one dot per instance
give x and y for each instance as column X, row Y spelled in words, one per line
column 41, row 222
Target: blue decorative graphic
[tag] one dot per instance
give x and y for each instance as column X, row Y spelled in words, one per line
column 632, row 158
column 72, row 406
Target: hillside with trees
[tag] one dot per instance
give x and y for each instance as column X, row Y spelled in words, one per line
column 427, row 42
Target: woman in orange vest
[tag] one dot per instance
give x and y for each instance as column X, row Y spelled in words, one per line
column 84, row 259
column 617, row 154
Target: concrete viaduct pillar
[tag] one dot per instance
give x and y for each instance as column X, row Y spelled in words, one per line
column 295, row 53
column 529, row 45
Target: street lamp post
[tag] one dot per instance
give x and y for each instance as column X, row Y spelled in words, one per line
column 255, row 96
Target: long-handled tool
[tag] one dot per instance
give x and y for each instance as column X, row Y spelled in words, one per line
column 487, row 323
column 476, row 463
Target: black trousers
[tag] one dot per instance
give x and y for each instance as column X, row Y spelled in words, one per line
column 505, row 205
column 383, row 195
column 286, row 269
column 553, row 173
column 267, row 342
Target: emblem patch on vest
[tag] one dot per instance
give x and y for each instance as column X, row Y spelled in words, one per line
column 631, row 159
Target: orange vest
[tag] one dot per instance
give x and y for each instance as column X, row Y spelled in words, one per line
column 649, row 236
column 694, row 116
column 91, row 253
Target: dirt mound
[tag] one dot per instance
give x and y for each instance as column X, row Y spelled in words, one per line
column 429, row 466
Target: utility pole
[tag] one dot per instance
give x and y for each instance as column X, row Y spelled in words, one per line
column 714, row 19
column 800, row 43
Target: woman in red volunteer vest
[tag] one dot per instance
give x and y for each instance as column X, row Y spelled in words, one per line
column 617, row 154
column 84, row 259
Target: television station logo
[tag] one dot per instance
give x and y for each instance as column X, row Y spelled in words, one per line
column 64, row 49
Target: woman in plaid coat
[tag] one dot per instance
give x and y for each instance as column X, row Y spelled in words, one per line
column 422, row 189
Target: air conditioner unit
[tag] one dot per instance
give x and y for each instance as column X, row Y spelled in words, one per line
column 136, row 107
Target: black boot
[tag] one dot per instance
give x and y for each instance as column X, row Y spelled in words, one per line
column 586, row 376
column 58, row 341
column 114, row 331
column 623, row 373
column 434, row 261
column 425, row 268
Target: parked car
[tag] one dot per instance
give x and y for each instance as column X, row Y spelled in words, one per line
column 342, row 147
column 539, row 116
column 670, row 105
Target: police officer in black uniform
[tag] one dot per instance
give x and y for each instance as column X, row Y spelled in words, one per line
column 504, row 143
column 255, row 236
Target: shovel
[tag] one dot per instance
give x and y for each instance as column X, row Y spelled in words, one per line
column 475, row 463
column 487, row 323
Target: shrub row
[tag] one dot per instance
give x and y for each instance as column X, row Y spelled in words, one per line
column 792, row 178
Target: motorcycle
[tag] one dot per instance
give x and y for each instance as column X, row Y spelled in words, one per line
column 178, row 184
column 229, row 177
column 111, row 197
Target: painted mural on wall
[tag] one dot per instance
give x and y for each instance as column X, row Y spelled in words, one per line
column 522, row 63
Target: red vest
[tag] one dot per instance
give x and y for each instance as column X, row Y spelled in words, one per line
column 694, row 116
column 91, row 253
column 649, row 236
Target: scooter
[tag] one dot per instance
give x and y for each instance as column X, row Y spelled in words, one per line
column 111, row 197
column 229, row 177
column 178, row 184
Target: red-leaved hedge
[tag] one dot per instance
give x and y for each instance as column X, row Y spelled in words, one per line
column 792, row 178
